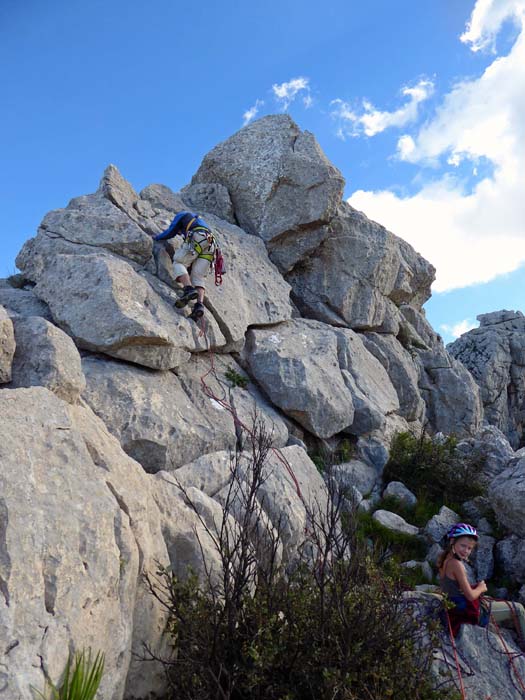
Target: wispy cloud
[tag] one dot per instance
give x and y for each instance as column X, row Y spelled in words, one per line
column 252, row 112
column 486, row 20
column 371, row 121
column 285, row 93
column 470, row 235
column 457, row 329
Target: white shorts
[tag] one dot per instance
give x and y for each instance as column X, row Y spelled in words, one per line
column 186, row 261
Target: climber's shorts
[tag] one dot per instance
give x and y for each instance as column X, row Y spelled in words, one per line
column 186, row 260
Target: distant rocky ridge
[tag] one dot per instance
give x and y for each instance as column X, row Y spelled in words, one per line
column 102, row 405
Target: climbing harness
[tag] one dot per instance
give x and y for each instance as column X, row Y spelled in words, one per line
column 215, row 256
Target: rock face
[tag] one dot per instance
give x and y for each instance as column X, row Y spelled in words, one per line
column 70, row 565
column 120, row 417
column 46, row 356
column 494, row 354
column 288, row 187
column 7, row 346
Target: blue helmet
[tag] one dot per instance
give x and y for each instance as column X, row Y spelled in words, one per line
column 462, row 530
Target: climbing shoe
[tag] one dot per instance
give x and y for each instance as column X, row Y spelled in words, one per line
column 188, row 294
column 197, row 312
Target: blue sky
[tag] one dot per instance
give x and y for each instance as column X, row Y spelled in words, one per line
column 419, row 103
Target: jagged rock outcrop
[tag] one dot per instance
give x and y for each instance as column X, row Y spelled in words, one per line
column 7, row 346
column 322, row 377
column 494, row 354
column 507, row 495
column 46, row 356
column 281, row 185
column 78, row 527
column 128, row 417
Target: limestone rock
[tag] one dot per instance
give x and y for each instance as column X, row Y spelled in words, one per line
column 46, row 356
column 510, row 557
column 278, row 178
column 397, row 490
column 189, row 544
column 451, row 395
column 491, row 448
column 165, row 421
column 204, row 378
column 296, row 363
column 322, row 377
column 105, row 306
column 494, row 354
column 483, row 557
column 93, row 220
column 7, row 346
column 359, row 274
column 70, row 564
column 401, row 370
column 209, row 198
column 507, row 496
column 23, row 302
column 354, row 474
column 150, row 414
column 439, row 524
column 208, row 473
column 394, row 522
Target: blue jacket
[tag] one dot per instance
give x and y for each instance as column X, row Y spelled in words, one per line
column 183, row 223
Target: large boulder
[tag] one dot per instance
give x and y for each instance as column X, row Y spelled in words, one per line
column 281, row 185
column 22, row 302
column 451, row 395
column 93, row 220
column 165, row 421
column 103, row 304
column 71, row 563
column 507, row 496
column 359, row 275
column 7, row 346
column 321, row 376
column 401, row 370
column 297, row 365
column 46, row 356
column 494, row 354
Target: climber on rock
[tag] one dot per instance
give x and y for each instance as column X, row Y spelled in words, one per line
column 470, row 608
column 195, row 257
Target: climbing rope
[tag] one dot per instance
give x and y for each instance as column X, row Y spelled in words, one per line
column 231, row 409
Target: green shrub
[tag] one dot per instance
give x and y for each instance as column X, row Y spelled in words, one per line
column 80, row 680
column 332, row 625
column 235, row 378
column 433, row 469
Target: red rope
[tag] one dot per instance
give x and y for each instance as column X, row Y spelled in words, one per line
column 209, row 393
column 510, row 655
column 458, row 668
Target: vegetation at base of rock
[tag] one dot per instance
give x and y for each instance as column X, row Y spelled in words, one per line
column 324, row 458
column 80, row 680
column 433, row 468
column 387, row 544
column 418, row 515
column 235, row 378
column 329, row 625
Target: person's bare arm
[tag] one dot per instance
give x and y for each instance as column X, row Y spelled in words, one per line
column 457, row 571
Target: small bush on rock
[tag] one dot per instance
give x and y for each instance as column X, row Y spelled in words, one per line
column 329, row 624
column 433, row 469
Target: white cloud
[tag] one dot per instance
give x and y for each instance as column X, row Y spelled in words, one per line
column 285, row 93
column 470, row 236
column 486, row 20
column 252, row 112
column 459, row 328
column 372, row 121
